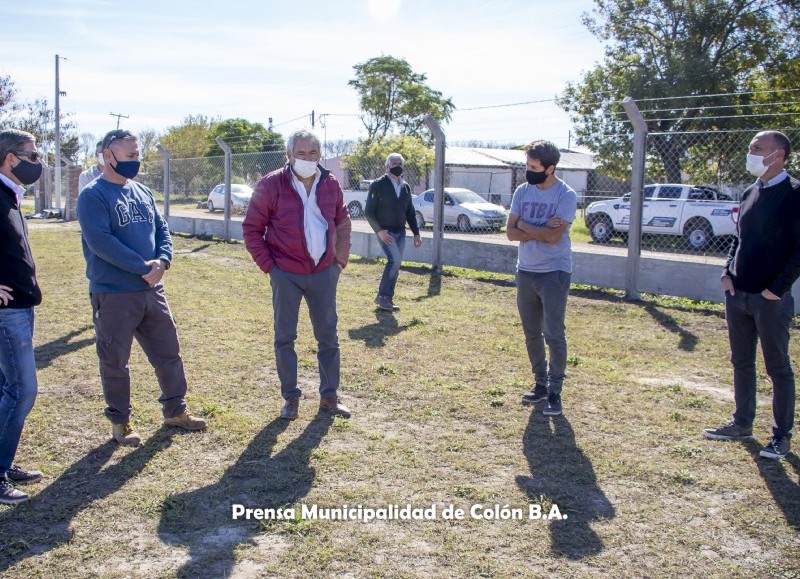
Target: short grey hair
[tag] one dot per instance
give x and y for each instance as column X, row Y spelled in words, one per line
column 13, row 140
column 301, row 135
column 394, row 157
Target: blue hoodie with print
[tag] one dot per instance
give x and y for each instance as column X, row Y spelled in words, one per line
column 121, row 229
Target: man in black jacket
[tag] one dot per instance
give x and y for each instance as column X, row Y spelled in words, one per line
column 19, row 293
column 763, row 263
column 388, row 209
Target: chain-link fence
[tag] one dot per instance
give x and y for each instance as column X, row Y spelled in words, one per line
column 693, row 183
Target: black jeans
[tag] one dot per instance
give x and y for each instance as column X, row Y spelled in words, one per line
column 751, row 318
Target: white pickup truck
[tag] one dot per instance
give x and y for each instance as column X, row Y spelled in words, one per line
column 356, row 199
column 699, row 214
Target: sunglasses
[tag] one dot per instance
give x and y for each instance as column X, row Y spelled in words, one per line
column 32, row 155
column 115, row 136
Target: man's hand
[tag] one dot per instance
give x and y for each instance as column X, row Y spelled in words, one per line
column 156, row 272
column 555, row 221
column 5, row 294
column 727, row 285
column 768, row 295
column 384, row 236
column 417, row 241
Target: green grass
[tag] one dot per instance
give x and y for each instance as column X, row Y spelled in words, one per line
column 434, row 391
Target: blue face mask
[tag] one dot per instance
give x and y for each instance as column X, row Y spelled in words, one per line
column 127, row 169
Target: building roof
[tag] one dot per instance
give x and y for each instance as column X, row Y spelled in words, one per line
column 483, row 157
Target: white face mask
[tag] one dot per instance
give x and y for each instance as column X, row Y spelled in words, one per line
column 755, row 164
column 100, row 160
column 305, row 169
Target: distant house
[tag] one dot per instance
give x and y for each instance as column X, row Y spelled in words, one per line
column 495, row 173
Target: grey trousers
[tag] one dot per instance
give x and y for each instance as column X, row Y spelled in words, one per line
column 319, row 291
column 542, row 304
column 752, row 318
column 144, row 315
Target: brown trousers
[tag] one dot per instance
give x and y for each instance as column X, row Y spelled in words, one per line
column 144, row 315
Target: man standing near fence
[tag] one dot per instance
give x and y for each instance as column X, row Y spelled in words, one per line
column 388, row 209
column 128, row 248
column 542, row 211
column 763, row 263
column 297, row 229
column 94, row 171
column 19, row 293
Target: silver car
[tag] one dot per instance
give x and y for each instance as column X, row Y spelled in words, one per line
column 463, row 208
column 240, row 197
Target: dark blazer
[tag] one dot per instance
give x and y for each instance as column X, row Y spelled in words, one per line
column 17, row 269
column 385, row 210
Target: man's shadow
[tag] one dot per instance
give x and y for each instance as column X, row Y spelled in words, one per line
column 44, row 523
column 561, row 473
column 374, row 335
column 779, row 480
column 202, row 519
column 46, row 353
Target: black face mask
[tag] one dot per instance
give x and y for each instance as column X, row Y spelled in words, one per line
column 27, row 172
column 396, row 171
column 535, row 177
column 127, row 169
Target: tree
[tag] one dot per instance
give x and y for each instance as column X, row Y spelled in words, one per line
column 695, row 65
column 368, row 159
column 88, row 143
column 39, row 120
column 395, row 98
column 8, row 104
column 242, row 136
column 192, row 138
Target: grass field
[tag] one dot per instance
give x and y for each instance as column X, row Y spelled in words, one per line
column 434, row 391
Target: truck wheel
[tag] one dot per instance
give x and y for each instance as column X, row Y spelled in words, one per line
column 601, row 229
column 698, row 234
column 354, row 208
column 420, row 220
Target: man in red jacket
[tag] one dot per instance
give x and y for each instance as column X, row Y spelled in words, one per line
column 298, row 231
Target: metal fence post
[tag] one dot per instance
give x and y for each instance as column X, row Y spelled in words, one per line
column 637, row 200
column 165, row 154
column 438, row 196
column 227, row 150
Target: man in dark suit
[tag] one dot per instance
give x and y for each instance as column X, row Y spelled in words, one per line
column 389, row 208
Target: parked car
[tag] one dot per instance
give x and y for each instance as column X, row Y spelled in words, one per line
column 463, row 208
column 355, row 201
column 697, row 213
column 240, row 197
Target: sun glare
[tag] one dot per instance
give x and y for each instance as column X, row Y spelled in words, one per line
column 384, row 10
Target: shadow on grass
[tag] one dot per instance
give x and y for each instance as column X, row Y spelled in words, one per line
column 46, row 353
column 44, row 523
column 782, row 484
column 374, row 335
column 202, row 519
column 562, row 473
column 688, row 341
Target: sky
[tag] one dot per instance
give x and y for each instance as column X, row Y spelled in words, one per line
column 158, row 61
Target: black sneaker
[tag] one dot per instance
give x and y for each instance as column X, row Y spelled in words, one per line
column 536, row 395
column 9, row 495
column 553, row 406
column 729, row 431
column 19, row 476
column 776, row 449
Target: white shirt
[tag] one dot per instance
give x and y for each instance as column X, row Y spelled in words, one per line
column 314, row 224
column 18, row 189
column 774, row 181
column 398, row 184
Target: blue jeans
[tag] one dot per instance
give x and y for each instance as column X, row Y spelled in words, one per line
column 319, row 291
column 751, row 319
column 542, row 304
column 17, row 379
column 394, row 258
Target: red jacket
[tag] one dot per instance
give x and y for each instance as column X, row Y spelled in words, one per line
column 273, row 227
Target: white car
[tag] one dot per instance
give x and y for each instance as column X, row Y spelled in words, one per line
column 463, row 208
column 240, row 197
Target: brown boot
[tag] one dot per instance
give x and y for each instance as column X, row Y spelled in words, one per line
column 186, row 421
column 334, row 406
column 125, row 434
column 289, row 410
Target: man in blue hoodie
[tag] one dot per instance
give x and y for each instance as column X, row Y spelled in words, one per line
column 127, row 247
